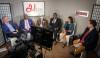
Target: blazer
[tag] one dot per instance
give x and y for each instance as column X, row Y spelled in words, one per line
column 45, row 25
column 22, row 24
column 91, row 39
column 7, row 31
column 57, row 25
column 69, row 27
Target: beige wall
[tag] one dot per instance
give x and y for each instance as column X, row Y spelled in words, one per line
column 98, row 2
column 64, row 8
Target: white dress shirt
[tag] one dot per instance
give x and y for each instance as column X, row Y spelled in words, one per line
column 27, row 26
column 41, row 24
column 54, row 20
column 10, row 27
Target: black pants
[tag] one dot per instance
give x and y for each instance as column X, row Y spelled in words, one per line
column 88, row 54
column 55, row 35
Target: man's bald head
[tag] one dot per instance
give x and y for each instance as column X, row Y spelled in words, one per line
column 5, row 19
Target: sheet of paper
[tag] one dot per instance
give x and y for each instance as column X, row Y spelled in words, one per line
column 3, row 49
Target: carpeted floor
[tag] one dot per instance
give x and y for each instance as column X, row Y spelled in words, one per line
column 57, row 52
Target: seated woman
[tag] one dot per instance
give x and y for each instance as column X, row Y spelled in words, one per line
column 88, row 39
column 62, row 36
column 69, row 27
column 9, row 28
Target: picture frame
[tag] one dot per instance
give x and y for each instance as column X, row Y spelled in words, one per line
column 34, row 8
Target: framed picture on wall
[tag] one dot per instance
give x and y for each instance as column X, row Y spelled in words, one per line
column 34, row 8
column 82, row 13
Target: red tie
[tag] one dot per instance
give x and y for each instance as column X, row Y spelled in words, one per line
column 84, row 36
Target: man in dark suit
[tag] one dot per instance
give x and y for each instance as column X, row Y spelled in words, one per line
column 55, row 25
column 26, row 24
column 9, row 28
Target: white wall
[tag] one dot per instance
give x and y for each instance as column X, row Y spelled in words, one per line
column 64, row 8
column 98, row 2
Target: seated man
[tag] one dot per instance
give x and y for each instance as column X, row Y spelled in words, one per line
column 42, row 22
column 9, row 28
column 25, row 28
column 88, row 39
column 26, row 24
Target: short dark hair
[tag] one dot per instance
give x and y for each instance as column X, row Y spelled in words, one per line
column 55, row 14
column 71, row 19
column 93, row 22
